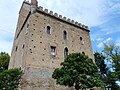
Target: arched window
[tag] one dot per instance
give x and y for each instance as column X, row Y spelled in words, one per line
column 48, row 29
column 64, row 35
column 83, row 52
column 65, row 52
column 81, row 40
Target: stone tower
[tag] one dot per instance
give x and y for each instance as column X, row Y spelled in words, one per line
column 42, row 40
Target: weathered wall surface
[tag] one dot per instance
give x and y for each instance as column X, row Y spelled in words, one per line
column 40, row 42
column 39, row 79
column 20, row 39
column 32, row 47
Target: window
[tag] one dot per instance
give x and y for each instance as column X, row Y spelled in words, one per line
column 53, row 51
column 83, row 52
column 48, row 29
column 81, row 41
column 65, row 52
column 16, row 48
column 64, row 35
column 23, row 46
column 80, row 38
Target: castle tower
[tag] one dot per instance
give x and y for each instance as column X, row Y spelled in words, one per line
column 42, row 40
column 34, row 5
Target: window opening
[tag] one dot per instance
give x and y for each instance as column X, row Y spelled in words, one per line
column 48, row 29
column 65, row 52
column 64, row 35
column 81, row 40
column 16, row 48
column 83, row 52
column 23, row 46
column 52, row 51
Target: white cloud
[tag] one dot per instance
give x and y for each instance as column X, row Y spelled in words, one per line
column 99, row 39
column 108, row 39
column 92, row 13
column 84, row 11
column 117, row 42
column 100, row 43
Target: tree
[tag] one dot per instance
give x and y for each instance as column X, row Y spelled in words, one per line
column 9, row 79
column 110, row 73
column 100, row 61
column 108, row 77
column 112, row 53
column 4, row 61
column 79, row 71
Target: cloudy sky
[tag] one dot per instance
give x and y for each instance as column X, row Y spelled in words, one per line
column 102, row 17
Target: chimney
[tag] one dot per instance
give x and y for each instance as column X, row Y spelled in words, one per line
column 34, row 5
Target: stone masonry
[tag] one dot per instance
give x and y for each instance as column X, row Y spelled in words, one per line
column 42, row 40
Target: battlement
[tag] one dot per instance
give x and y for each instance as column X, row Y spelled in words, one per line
column 58, row 16
column 63, row 18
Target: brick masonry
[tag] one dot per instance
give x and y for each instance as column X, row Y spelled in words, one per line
column 32, row 45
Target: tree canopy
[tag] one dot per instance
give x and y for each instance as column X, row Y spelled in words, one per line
column 4, row 61
column 111, row 69
column 9, row 79
column 112, row 53
column 79, row 71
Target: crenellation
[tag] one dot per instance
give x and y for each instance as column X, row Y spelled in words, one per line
column 72, row 21
column 60, row 16
column 79, row 24
column 76, row 23
column 68, row 19
column 40, row 8
column 83, row 26
column 86, row 27
column 56, row 14
column 51, row 12
column 46, row 10
column 64, row 18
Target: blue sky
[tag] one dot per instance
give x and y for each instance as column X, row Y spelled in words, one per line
column 102, row 17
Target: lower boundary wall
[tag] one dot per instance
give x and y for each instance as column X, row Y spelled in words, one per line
column 40, row 79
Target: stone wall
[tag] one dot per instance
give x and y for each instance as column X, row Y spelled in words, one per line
column 32, row 46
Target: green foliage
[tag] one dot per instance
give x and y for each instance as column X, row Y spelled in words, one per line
column 111, row 81
column 9, row 79
column 112, row 53
column 4, row 61
column 99, row 59
column 110, row 73
column 79, row 71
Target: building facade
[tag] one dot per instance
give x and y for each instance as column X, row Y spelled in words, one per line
column 42, row 40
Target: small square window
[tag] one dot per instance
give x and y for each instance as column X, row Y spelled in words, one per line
column 53, row 51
